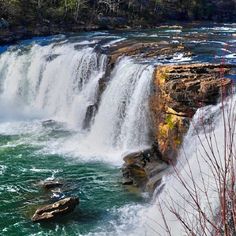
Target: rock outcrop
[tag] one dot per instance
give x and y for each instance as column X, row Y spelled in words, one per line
column 179, row 91
column 51, row 184
column 52, row 211
column 144, row 169
column 162, row 50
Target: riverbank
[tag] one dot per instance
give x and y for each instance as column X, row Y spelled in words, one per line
column 13, row 35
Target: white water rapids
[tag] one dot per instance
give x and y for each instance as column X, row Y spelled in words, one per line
column 195, row 170
column 60, row 82
column 53, row 81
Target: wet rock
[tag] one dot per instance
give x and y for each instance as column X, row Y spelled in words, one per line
column 52, row 211
column 161, row 50
column 127, row 181
column 90, row 113
column 52, row 57
column 144, row 169
column 51, row 184
column 57, row 195
column 49, row 122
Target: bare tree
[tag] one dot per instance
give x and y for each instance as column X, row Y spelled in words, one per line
column 111, row 5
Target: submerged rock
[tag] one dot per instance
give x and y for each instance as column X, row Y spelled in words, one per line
column 52, row 211
column 51, row 184
column 49, row 122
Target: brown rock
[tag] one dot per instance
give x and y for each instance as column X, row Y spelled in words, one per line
column 59, row 208
column 144, row 169
column 127, row 181
column 161, row 49
column 179, row 91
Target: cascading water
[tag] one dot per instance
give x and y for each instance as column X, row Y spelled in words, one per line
column 122, row 122
column 52, row 108
column 61, row 83
column 178, row 188
column 57, row 81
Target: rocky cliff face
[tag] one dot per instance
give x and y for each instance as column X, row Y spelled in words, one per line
column 154, row 50
column 179, row 91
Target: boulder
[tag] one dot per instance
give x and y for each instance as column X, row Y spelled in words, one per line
column 52, row 211
column 144, row 169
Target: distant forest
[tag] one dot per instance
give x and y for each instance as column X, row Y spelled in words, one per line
column 113, row 12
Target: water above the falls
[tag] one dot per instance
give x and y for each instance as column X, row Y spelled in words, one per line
column 65, row 114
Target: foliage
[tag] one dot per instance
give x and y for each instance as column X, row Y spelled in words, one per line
column 18, row 12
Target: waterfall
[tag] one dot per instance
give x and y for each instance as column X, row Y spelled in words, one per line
column 172, row 195
column 194, row 168
column 122, row 121
column 55, row 80
column 61, row 82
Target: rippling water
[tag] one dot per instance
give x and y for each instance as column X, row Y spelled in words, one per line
column 22, row 166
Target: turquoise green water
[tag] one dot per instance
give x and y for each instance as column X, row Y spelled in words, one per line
column 22, row 166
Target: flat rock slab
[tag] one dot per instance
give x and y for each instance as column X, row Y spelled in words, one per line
column 52, row 211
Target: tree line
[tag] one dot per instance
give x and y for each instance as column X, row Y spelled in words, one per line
column 25, row 12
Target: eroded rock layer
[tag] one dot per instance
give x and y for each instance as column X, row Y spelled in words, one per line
column 179, row 91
